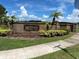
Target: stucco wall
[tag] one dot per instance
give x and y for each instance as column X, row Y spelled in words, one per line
column 18, row 27
column 42, row 27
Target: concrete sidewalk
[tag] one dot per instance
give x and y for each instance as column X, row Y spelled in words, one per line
column 38, row 50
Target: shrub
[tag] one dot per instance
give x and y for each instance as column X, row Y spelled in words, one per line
column 51, row 33
column 4, row 32
column 44, row 33
column 60, row 33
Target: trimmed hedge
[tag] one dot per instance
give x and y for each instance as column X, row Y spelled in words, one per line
column 51, row 33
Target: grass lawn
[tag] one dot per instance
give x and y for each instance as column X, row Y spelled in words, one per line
column 6, row 44
column 62, row 55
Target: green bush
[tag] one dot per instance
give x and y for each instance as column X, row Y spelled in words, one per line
column 51, row 33
column 4, row 31
column 44, row 33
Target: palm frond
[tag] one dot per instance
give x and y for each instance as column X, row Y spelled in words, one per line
column 56, row 14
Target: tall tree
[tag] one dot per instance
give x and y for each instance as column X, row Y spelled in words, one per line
column 4, row 19
column 3, row 12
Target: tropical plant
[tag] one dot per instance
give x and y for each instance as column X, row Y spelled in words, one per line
column 55, row 15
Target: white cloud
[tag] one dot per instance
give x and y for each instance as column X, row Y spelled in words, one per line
column 13, row 12
column 60, row 18
column 45, row 16
column 23, row 12
column 33, row 16
column 8, row 14
column 25, row 16
column 74, row 16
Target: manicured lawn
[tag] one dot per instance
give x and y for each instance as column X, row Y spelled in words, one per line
column 63, row 55
column 6, row 44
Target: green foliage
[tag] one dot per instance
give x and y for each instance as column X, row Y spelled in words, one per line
column 44, row 33
column 4, row 30
column 2, row 10
column 13, row 19
column 51, row 33
column 3, row 13
column 56, row 14
column 4, row 19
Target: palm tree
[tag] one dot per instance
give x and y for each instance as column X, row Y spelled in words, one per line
column 55, row 15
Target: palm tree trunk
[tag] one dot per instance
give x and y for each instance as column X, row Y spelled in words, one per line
column 53, row 21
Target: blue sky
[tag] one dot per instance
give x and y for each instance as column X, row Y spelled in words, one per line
column 40, row 9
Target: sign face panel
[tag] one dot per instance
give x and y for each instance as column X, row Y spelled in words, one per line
column 31, row 27
column 77, row 4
